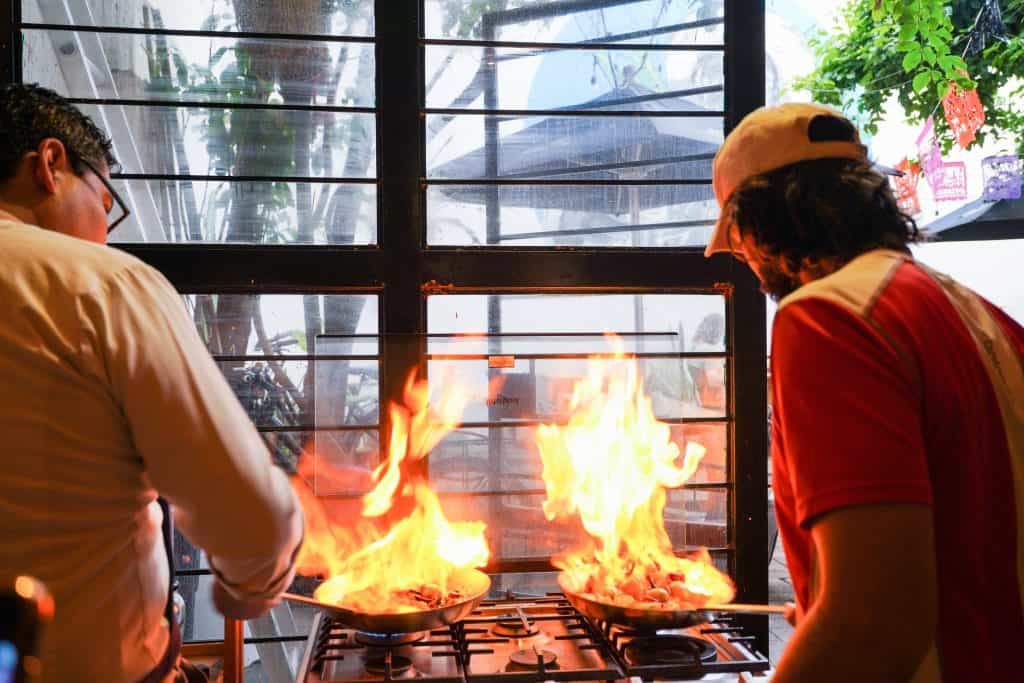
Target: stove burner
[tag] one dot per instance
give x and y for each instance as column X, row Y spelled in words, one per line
column 399, row 665
column 515, row 628
column 527, row 659
column 669, row 650
column 388, row 639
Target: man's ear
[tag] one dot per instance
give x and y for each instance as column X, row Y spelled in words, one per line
column 52, row 161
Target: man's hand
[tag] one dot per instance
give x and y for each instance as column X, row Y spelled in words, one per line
column 790, row 613
column 234, row 608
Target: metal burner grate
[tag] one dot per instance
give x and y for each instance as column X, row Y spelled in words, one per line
column 527, row 640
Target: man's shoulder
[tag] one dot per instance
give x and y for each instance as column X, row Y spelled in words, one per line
column 79, row 266
column 857, row 286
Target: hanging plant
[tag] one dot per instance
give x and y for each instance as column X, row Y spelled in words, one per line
column 924, row 33
column 913, row 50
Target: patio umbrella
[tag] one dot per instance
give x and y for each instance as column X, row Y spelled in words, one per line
column 598, row 148
column 979, row 219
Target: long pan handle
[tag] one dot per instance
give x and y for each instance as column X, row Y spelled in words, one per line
column 745, row 608
column 292, row 597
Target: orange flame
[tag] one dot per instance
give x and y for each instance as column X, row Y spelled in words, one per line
column 369, row 567
column 610, row 466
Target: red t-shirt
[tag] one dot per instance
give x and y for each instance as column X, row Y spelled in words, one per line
column 882, row 395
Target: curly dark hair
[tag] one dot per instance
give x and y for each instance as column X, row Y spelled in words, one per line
column 818, row 214
column 30, row 113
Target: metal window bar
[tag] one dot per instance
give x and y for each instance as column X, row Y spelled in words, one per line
column 603, row 43
column 592, row 110
column 502, row 115
column 148, row 31
column 243, row 178
column 214, row 104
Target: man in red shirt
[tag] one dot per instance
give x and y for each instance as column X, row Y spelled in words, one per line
column 898, row 417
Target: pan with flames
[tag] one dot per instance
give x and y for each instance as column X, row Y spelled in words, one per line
column 611, row 466
column 387, row 576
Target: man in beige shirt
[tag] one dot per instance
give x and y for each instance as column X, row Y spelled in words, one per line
column 108, row 398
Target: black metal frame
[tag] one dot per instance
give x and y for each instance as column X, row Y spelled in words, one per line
column 403, row 270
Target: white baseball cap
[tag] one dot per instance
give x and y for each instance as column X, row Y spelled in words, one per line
column 772, row 137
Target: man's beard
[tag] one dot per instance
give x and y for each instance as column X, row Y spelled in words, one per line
column 774, row 282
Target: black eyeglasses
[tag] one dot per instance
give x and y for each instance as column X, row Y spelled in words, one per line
column 118, row 202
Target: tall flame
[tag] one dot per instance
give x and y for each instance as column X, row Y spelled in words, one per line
column 611, row 465
column 370, row 564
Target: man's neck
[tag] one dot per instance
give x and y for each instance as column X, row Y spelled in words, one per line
column 9, row 212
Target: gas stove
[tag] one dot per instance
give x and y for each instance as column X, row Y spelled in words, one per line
column 527, row 640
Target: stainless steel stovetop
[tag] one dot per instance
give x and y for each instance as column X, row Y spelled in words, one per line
column 526, row 640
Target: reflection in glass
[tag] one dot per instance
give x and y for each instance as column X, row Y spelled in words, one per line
column 487, row 470
column 457, row 20
column 461, row 463
column 350, row 18
column 249, row 212
column 588, row 216
column 449, row 67
column 270, row 148
column 677, row 315
column 254, row 338
column 207, row 69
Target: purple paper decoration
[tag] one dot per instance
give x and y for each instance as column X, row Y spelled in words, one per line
column 1002, row 177
column 949, row 182
column 929, row 154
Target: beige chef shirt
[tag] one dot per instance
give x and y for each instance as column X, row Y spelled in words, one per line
column 107, row 396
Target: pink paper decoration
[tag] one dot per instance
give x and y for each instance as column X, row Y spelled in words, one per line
column 928, row 153
column 1002, row 177
column 950, row 182
column 964, row 113
column 906, row 188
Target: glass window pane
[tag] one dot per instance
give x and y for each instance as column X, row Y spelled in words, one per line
column 271, row 662
column 577, row 148
column 697, row 320
column 203, row 69
column 493, row 472
column 518, row 528
column 228, row 211
column 241, row 142
column 481, row 459
column 658, row 21
column 351, row 17
column 202, row 620
column 572, row 216
column 276, row 393
column 540, row 389
column 629, row 80
column 698, row 517
column 279, row 324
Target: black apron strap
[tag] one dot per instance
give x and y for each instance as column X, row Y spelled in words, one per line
column 169, row 661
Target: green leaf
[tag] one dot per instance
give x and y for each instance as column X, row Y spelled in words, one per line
column 922, row 80
column 911, row 60
column 877, row 13
column 929, row 55
column 907, row 32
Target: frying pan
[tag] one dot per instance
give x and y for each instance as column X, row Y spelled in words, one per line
column 653, row 618
column 471, row 583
